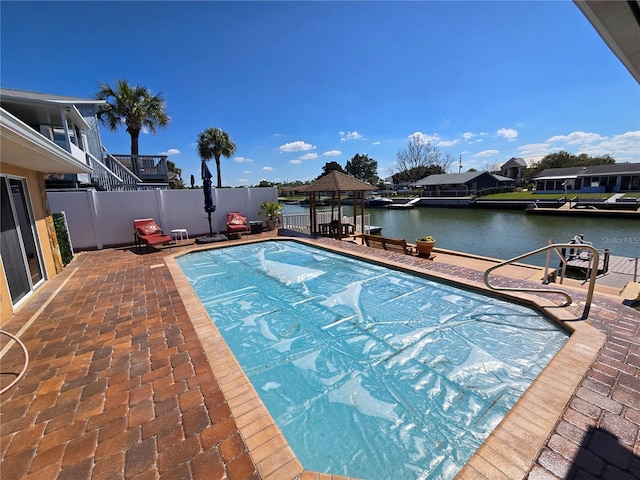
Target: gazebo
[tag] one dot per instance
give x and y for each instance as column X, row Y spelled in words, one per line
column 336, row 183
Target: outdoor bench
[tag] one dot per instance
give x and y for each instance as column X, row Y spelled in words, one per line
column 399, row 245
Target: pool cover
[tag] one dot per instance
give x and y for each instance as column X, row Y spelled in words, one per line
column 370, row 372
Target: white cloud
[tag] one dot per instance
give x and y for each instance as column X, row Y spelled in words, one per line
column 309, row 156
column 332, row 153
column 486, row 153
column 247, row 172
column 534, row 149
column 509, row 133
column 295, row 162
column 298, row 146
column 344, row 136
column 267, row 169
column 171, row 151
column 242, row 160
column 447, row 143
column 376, row 143
column 623, row 147
column 473, row 138
column 577, row 138
column 424, row 138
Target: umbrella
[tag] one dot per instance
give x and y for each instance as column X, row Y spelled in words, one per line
column 209, row 207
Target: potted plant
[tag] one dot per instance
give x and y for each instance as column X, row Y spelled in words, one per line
column 271, row 210
column 424, row 245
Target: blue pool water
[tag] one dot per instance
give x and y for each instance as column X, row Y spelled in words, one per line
column 370, row 372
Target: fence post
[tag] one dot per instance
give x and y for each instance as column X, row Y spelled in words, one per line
column 162, row 218
column 93, row 218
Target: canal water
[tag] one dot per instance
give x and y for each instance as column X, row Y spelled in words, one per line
column 502, row 234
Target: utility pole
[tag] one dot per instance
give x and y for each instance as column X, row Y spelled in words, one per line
column 460, row 164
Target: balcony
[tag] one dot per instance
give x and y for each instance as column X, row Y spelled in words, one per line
column 148, row 168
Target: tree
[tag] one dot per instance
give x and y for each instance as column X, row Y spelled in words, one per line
column 215, row 143
column 417, row 161
column 563, row 159
column 175, row 176
column 363, row 168
column 330, row 167
column 133, row 106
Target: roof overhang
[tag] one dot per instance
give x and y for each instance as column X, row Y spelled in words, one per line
column 618, row 24
column 22, row 146
column 557, row 177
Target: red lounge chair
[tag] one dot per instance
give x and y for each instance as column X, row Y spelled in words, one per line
column 237, row 224
column 147, row 231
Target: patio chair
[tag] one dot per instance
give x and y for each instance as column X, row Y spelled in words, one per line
column 146, row 231
column 237, row 224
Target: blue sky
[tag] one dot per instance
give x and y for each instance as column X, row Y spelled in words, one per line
column 299, row 84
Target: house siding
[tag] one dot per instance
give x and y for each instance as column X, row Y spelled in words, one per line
column 43, row 222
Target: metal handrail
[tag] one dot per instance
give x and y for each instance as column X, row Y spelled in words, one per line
column 26, row 359
column 595, row 258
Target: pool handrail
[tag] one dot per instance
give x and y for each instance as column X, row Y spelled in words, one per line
column 595, row 258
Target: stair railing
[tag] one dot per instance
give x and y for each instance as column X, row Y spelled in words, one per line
column 595, row 258
column 130, row 180
column 102, row 175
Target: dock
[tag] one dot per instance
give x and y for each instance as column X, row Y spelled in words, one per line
column 615, row 206
column 410, row 204
column 618, row 272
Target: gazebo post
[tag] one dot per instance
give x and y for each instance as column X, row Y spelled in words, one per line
column 339, row 215
column 362, row 215
column 312, row 213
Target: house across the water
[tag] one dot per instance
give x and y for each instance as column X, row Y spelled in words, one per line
column 461, row 184
column 516, row 166
column 613, row 178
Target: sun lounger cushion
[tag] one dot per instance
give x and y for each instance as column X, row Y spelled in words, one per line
column 236, row 219
column 149, row 229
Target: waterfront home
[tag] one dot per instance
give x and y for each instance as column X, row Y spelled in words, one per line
column 460, row 184
column 72, row 124
column 515, row 166
column 613, row 178
column 48, row 142
column 30, row 255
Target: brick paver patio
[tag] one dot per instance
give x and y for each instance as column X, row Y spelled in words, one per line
column 119, row 386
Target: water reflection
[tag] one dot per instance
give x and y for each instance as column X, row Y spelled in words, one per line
column 502, row 233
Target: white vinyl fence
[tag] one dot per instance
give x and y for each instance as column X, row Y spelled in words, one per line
column 301, row 222
column 103, row 219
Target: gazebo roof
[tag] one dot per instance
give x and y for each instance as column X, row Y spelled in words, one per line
column 338, row 182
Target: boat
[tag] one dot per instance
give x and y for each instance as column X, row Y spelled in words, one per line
column 371, row 201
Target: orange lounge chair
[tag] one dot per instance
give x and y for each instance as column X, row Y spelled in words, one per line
column 147, row 231
column 237, row 224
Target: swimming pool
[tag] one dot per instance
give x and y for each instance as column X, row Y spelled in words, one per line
column 349, row 357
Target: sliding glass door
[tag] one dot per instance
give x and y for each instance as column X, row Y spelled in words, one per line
column 21, row 256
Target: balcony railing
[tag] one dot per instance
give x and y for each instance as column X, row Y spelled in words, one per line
column 111, row 175
column 149, row 168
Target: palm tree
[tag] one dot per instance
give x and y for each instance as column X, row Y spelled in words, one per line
column 214, row 143
column 133, row 106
